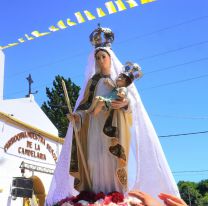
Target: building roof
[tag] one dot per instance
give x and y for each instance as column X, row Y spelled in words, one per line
column 26, row 113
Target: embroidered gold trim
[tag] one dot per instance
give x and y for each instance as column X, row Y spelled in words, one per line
column 122, row 176
column 118, row 151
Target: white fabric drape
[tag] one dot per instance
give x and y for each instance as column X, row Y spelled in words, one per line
column 148, row 167
column 102, row 165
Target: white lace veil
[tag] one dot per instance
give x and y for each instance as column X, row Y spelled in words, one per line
column 148, row 167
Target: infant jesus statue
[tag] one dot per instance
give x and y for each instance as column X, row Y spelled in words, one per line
column 119, row 92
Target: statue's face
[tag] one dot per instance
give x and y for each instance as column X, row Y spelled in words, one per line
column 103, row 61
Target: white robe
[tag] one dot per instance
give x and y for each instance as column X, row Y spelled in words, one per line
column 101, row 163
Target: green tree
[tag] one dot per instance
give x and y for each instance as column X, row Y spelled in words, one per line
column 55, row 108
column 189, row 193
column 204, row 200
column 202, row 186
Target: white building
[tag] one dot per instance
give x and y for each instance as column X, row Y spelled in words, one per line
column 29, row 140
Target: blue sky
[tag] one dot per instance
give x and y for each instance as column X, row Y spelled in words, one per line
column 169, row 39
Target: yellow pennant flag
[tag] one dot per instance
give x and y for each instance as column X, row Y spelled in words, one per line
column 79, row 17
column 29, row 37
column 111, row 8
column 9, row 45
column 70, row 23
column 100, row 12
column 61, row 25
column 146, row 1
column 13, row 44
column 132, row 3
column 21, row 40
column 38, row 34
column 89, row 15
column 53, row 28
column 120, row 5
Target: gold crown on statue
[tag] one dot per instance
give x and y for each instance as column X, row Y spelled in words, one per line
column 102, row 37
column 132, row 71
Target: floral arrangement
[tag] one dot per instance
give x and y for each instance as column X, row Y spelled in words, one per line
column 86, row 198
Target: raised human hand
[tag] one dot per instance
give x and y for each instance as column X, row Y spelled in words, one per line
column 171, row 200
column 146, row 199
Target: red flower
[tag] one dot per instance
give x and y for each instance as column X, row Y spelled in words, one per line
column 91, row 197
column 99, row 195
column 77, row 204
column 67, row 199
column 107, row 200
column 73, row 199
column 87, row 196
column 116, row 197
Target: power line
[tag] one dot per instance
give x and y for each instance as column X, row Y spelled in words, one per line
column 47, row 64
column 190, row 171
column 157, row 86
column 181, row 117
column 165, row 28
column 137, row 37
column 147, row 73
column 158, row 70
column 166, row 68
column 35, row 88
column 177, row 173
column 19, row 92
column 177, row 65
column 153, row 87
column 183, row 134
column 175, row 82
column 191, row 174
column 140, row 59
column 174, row 50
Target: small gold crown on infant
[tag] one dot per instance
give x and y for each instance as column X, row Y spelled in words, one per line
column 132, row 71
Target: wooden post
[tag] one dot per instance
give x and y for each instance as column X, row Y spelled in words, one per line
column 76, row 135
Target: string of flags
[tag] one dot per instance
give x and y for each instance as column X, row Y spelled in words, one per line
column 111, row 7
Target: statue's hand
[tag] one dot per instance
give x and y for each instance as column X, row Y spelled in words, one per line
column 118, row 104
column 74, row 116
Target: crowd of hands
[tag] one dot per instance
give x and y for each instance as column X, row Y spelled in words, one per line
column 147, row 200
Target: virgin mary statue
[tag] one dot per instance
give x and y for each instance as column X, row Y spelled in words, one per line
column 120, row 145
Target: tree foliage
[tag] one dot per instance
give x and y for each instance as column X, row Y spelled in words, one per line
column 55, row 108
column 203, row 187
column 194, row 194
